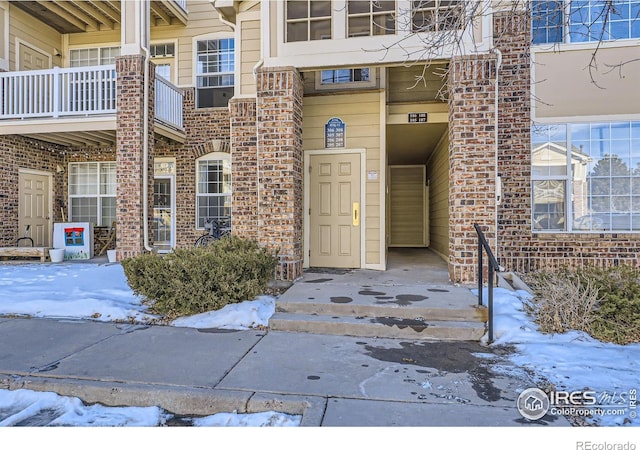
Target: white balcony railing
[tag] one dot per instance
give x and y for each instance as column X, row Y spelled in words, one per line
column 168, row 103
column 57, row 92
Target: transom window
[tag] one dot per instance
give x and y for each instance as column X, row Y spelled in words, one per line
column 215, row 61
column 213, row 188
column 308, row 20
column 92, row 192
column 586, row 177
column 99, row 56
column 163, row 56
column 437, row 15
column 584, row 20
column 371, row 18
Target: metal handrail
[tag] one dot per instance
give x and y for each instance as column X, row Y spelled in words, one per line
column 493, row 268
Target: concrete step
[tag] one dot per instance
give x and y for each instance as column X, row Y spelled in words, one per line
column 444, row 312
column 378, row 326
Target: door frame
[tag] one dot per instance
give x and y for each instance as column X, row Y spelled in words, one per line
column 49, row 175
column 172, row 179
column 307, row 192
column 20, row 42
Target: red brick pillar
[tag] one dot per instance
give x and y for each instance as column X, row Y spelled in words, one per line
column 129, row 155
column 472, row 161
column 244, row 164
column 280, row 166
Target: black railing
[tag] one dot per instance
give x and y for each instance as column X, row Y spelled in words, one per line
column 493, row 268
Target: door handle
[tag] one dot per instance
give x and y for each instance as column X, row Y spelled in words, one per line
column 356, row 214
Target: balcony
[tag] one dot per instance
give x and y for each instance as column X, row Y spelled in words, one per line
column 76, row 106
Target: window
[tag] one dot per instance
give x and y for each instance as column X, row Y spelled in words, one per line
column 163, row 56
column 547, row 23
column 215, row 61
column 83, row 57
column 308, row 20
column 437, row 15
column 213, row 188
column 593, row 187
column 584, row 20
column 92, row 192
column 371, row 18
column 344, row 76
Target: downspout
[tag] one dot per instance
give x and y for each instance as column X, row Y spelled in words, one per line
column 145, row 140
column 257, row 66
column 495, row 125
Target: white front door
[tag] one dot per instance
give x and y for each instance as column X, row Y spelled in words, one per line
column 334, row 210
column 34, row 220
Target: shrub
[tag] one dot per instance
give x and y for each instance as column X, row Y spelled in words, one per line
column 603, row 302
column 563, row 301
column 194, row 280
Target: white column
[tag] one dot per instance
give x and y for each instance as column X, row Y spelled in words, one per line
column 135, row 27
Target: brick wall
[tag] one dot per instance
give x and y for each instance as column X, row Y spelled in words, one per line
column 472, row 160
column 245, row 167
column 129, row 156
column 280, row 166
column 519, row 248
column 23, row 153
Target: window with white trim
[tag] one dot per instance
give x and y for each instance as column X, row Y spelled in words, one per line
column 586, row 177
column 92, row 192
column 215, row 62
column 371, row 18
column 307, row 20
column 98, row 56
column 437, row 15
column 213, row 188
column 584, row 20
column 163, row 56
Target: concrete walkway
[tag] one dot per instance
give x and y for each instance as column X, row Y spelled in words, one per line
column 330, row 380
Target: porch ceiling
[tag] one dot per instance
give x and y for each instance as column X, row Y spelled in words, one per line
column 88, row 15
column 106, row 138
column 413, row 143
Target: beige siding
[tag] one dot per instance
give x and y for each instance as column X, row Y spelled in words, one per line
column 438, row 180
column 564, row 87
column 203, row 19
column 361, row 115
column 25, row 28
column 407, row 215
column 249, row 55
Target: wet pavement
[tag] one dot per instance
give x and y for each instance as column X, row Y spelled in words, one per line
column 329, row 380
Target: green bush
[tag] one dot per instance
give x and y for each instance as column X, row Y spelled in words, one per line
column 604, row 302
column 194, row 280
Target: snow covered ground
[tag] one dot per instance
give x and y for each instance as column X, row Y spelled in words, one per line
column 571, row 361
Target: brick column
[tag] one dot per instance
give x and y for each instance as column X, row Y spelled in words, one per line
column 129, row 155
column 280, row 166
column 244, row 167
column 472, row 161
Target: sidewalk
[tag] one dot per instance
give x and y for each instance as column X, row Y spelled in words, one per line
column 330, row 380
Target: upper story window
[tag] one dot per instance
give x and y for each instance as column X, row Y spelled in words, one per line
column 215, row 61
column 586, row 177
column 83, row 57
column 163, row 56
column 308, row 20
column 437, row 15
column 584, row 20
column 371, row 18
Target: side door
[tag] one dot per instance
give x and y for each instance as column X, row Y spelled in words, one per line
column 334, row 210
column 34, row 194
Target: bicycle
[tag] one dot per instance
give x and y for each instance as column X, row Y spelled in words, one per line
column 216, row 229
